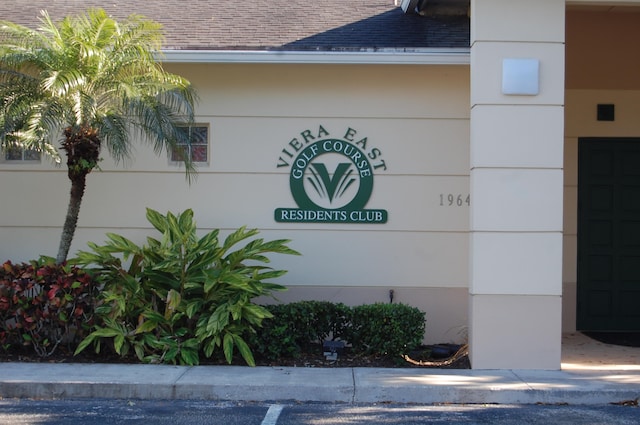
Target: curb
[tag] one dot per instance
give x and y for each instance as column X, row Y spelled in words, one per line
column 334, row 385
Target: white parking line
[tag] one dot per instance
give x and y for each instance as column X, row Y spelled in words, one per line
column 271, row 418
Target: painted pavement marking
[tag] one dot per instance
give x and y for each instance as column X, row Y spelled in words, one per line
column 271, row 418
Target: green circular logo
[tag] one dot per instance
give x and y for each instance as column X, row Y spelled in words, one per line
column 331, row 174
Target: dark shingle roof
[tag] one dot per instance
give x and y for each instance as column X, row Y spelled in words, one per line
column 292, row 25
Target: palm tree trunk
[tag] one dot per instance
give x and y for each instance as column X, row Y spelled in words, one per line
column 78, row 183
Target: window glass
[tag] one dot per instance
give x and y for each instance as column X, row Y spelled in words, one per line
column 18, row 153
column 198, row 150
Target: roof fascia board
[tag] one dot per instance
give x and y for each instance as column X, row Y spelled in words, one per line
column 453, row 56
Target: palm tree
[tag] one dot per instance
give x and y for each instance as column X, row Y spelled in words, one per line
column 95, row 82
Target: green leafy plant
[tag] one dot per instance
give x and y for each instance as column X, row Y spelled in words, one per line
column 181, row 296
column 44, row 305
column 372, row 329
column 389, row 329
column 296, row 326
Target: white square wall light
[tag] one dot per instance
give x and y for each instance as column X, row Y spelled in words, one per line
column 520, row 76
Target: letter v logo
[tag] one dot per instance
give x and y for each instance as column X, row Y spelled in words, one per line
column 331, row 187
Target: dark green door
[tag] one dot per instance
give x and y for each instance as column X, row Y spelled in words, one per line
column 609, row 234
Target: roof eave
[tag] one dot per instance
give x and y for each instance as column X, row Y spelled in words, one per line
column 434, row 56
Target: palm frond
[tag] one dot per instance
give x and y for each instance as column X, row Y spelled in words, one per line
column 92, row 71
column 160, row 125
column 115, row 131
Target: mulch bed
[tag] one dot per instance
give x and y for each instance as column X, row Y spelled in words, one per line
column 309, row 359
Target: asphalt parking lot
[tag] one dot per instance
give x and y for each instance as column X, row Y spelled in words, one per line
column 182, row 412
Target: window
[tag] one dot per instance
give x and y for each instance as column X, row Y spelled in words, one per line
column 18, row 153
column 198, row 150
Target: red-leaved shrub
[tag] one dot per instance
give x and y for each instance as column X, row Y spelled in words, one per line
column 44, row 305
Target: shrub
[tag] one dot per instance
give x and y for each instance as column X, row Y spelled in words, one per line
column 389, row 329
column 373, row 329
column 43, row 305
column 278, row 336
column 181, row 296
column 296, row 326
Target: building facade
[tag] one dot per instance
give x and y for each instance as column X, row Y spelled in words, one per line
column 467, row 140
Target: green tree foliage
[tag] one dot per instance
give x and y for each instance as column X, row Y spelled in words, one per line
column 181, row 296
column 95, row 82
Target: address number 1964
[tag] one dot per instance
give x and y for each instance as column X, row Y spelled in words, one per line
column 454, row 200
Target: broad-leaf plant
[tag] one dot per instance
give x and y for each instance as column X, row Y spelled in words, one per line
column 181, row 296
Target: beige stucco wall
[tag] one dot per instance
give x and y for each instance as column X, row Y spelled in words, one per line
column 418, row 118
column 598, row 70
column 516, row 180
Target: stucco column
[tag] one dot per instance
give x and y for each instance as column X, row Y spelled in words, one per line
column 516, row 183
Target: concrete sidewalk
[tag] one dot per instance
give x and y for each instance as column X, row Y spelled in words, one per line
column 592, row 373
column 348, row 385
